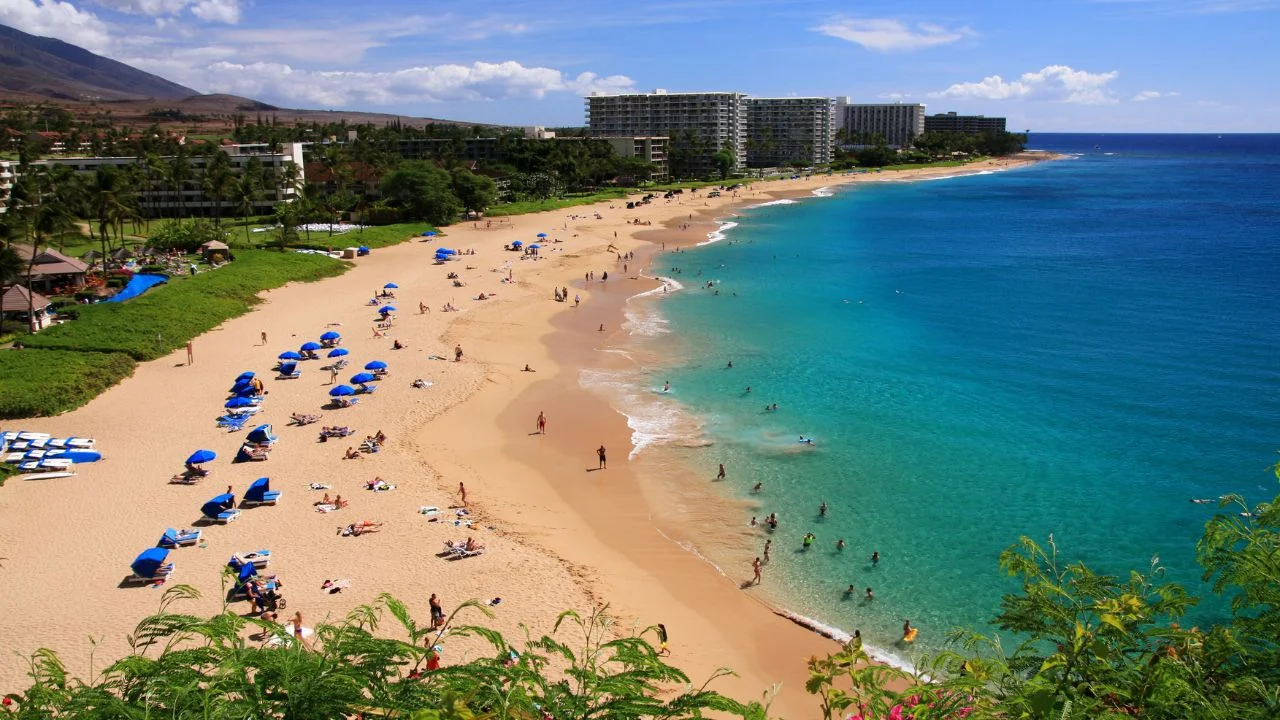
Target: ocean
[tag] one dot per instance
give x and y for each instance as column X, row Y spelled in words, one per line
column 1071, row 350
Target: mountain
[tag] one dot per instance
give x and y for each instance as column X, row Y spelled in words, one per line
column 31, row 65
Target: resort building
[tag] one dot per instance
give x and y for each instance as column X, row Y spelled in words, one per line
column 282, row 172
column 895, row 124
column 971, row 124
column 698, row 124
column 789, row 131
column 653, row 149
column 7, row 177
column 30, row 309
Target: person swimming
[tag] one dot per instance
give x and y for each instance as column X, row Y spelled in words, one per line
column 806, row 441
column 808, row 540
column 666, row 387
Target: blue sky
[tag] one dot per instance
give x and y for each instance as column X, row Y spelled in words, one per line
column 1047, row 65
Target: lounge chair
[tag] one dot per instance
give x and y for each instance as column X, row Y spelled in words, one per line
column 459, row 550
column 258, row 558
column 45, row 465
column 346, row 402
column 172, row 538
column 221, row 509
column 260, row 493
column 71, row 443
column 289, row 371
column 366, row 389
column 150, row 566
column 250, row 453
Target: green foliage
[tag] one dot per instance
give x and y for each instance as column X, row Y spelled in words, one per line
column 165, row 318
column 47, row 382
column 183, row 667
column 186, row 235
column 423, row 191
column 475, row 192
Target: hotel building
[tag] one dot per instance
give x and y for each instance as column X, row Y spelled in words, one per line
column 972, row 124
column 897, row 124
column 705, row 122
column 785, row 131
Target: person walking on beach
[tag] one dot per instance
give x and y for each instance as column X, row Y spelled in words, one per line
column 297, row 625
column 457, row 352
column 542, row 423
column 755, row 567
column 422, row 308
column 604, row 461
column 191, row 352
column 264, row 337
column 720, row 475
column 333, row 374
column 767, row 544
column 662, row 640
column 462, row 491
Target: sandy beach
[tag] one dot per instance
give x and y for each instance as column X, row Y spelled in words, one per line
column 560, row 533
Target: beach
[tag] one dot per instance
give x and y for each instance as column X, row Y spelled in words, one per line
column 560, row 533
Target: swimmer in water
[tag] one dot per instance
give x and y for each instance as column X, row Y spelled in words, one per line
column 1201, row 501
column 875, row 558
column 757, row 487
column 848, row 592
column 869, row 595
column 806, row 441
column 666, row 387
column 822, row 509
column 808, row 540
column 840, row 546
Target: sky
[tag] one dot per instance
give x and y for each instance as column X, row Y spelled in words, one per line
column 1046, row 65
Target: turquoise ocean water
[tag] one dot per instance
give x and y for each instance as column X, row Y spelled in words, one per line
column 1075, row 348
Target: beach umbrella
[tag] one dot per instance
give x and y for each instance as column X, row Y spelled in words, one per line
column 261, row 434
column 246, row 375
column 362, row 378
column 542, row 235
column 238, row 402
column 534, row 246
column 149, row 561
column 241, row 386
column 387, row 309
column 375, row 365
column 517, row 243
column 289, row 355
column 218, row 504
column 391, row 286
column 338, row 352
column 364, row 248
column 429, row 233
column 342, row 390
column 310, row 346
column 201, row 456
column 331, row 335
column 251, row 391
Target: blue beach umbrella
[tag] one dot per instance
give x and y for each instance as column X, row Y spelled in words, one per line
column 534, row 246
column 362, row 378
column 241, row 386
column 387, row 309
column 342, row 390
column 261, row 434
column 542, row 235
column 149, row 561
column 238, row 402
column 289, row 355
column 201, row 456
column 364, row 248
column 310, row 346
column 375, row 365
column 429, row 233
column 517, row 243
column 246, row 375
column 250, row 391
column 338, row 352
column 391, row 286
column 218, row 504
column 331, row 335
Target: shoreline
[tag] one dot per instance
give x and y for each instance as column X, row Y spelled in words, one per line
column 563, row 538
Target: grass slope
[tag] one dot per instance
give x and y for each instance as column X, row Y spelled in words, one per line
column 47, row 382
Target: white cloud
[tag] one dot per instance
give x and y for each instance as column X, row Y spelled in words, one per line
column 890, row 35
column 278, row 82
column 223, row 11
column 1060, row 83
column 61, row 20
column 893, row 96
column 1146, row 95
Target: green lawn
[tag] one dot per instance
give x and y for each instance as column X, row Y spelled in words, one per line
column 167, row 316
column 47, row 382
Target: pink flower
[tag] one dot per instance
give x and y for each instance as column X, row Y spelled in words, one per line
column 895, row 713
column 964, row 711
column 855, row 716
column 913, row 701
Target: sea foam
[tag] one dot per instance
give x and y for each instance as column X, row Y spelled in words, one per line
column 719, row 233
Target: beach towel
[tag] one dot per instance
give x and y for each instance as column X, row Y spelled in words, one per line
column 325, row 508
column 318, row 486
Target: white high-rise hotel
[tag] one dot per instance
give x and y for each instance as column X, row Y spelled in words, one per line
column 761, row 132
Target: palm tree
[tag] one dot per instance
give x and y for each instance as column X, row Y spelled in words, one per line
column 217, row 180
column 245, row 193
column 180, row 173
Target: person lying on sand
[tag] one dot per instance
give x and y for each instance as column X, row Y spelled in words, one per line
column 360, row 528
column 334, row 586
